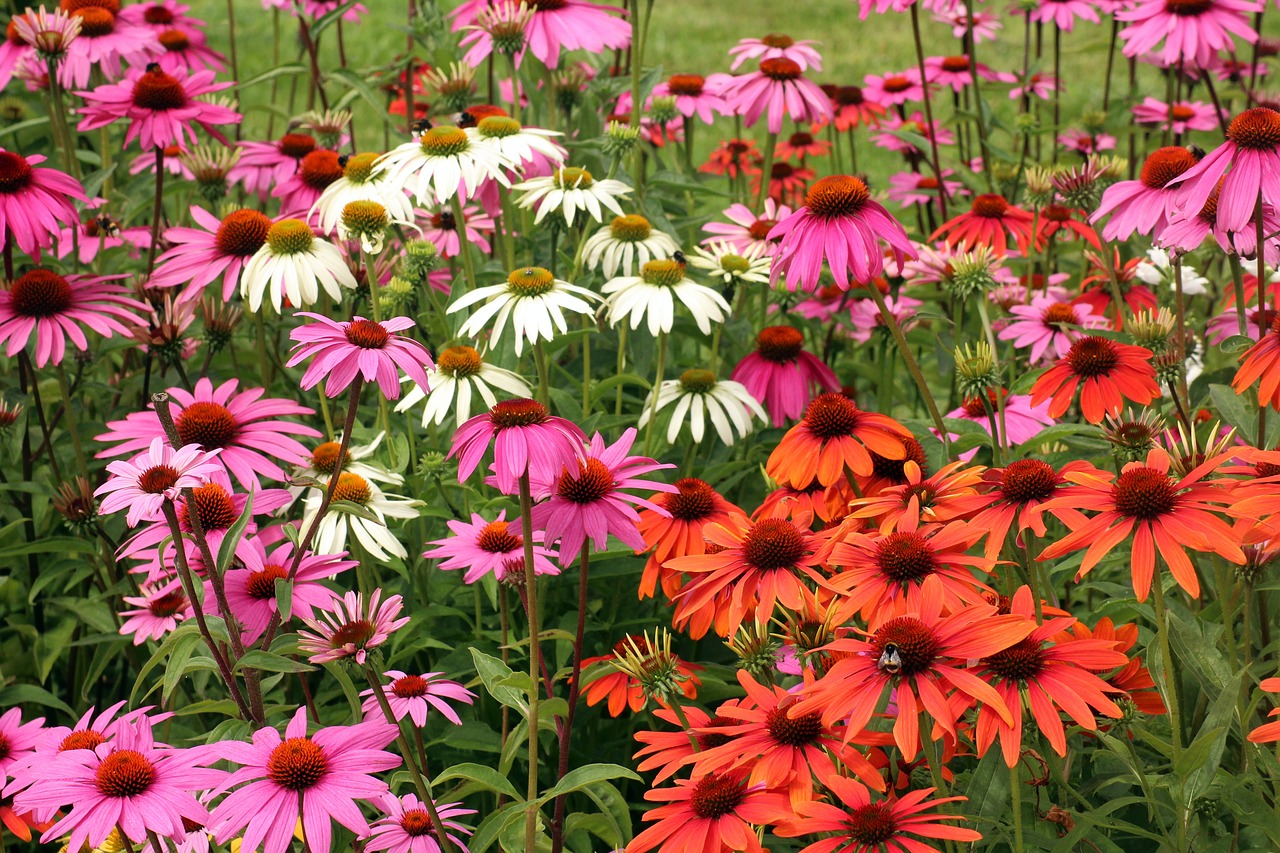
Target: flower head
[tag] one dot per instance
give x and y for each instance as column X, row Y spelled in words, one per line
column 782, row 375
column 490, row 547
column 531, row 299
column 144, row 483
column 293, row 263
column 527, row 440
column 53, row 307
column 162, row 108
column 350, row 629
column 1107, row 374
column 570, row 189
column 341, row 350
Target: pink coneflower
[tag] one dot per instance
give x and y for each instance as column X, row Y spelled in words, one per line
column 162, row 108
column 132, row 784
column 843, row 225
column 866, row 317
column 695, row 96
column 894, row 89
column 251, row 590
column 369, row 348
column 157, row 610
column 986, row 224
column 777, row 46
column 1143, row 205
column 35, row 203
column 1247, row 164
column 316, row 778
column 985, row 25
column 99, row 232
column 263, row 165
column 1193, row 31
column 349, row 629
column 1022, row 421
column 106, row 41
column 413, row 696
column 161, row 15
column 526, row 440
column 1227, row 324
column 157, row 475
column 913, row 123
column 1049, row 326
column 555, row 26
column 780, row 87
column 217, row 248
column 781, row 375
column 1179, row 117
column 407, row 826
column 51, row 306
column 299, row 192
column 1062, row 14
column 908, row 188
column 187, row 50
column 1086, row 143
column 495, row 546
column 171, row 161
column 954, row 71
column 1037, row 85
column 13, row 50
column 242, row 424
column 745, row 230
column 441, row 229
column 585, row 499
column 18, row 739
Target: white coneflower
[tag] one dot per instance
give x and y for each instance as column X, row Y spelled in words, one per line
column 454, row 84
column 731, row 265
column 325, row 458
column 624, row 244
column 518, row 143
column 361, row 181
column 293, row 263
column 444, row 162
column 653, row 293
column 698, row 396
column 1157, row 269
column 569, row 190
column 373, row 536
column 461, row 372
column 533, row 300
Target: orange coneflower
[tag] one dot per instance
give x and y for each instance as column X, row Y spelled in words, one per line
column 986, row 224
column 880, row 569
column 1262, row 360
column 710, row 814
column 1268, row 732
column 782, row 751
column 886, row 472
column 834, row 435
column 623, row 690
column 1054, row 672
column 666, row 751
column 1110, row 372
column 1164, row 514
column 763, row 563
column 1096, row 290
column 679, row 534
column 825, row 503
column 1015, row 493
column 923, row 656
column 1133, row 678
column 949, row 494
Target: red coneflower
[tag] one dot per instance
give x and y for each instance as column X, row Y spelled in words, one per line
column 834, row 435
column 986, row 224
column 1268, row 732
column 1015, row 493
column 950, row 493
column 713, row 813
column 666, row 751
column 692, row 507
column 1262, row 361
column 622, row 690
column 1132, row 678
column 1107, row 373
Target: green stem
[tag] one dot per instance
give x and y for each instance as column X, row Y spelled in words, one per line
column 657, row 384
column 72, row 423
column 531, row 588
column 464, row 245
column 891, row 323
column 928, row 113
column 544, row 382
column 1015, row 791
column 1166, row 663
column 1237, row 277
column 621, row 366
column 770, row 142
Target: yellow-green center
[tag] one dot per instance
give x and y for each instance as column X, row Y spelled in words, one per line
column 664, row 273
column 290, row 237
column 571, row 176
column 359, row 168
column 531, row 281
column 630, row 228
column 697, row 381
column 444, row 141
column 498, row 126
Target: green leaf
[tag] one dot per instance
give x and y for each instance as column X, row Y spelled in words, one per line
column 178, row 657
column 20, row 694
column 267, row 662
column 485, row 777
column 1237, row 344
column 580, row 777
column 615, row 811
column 339, row 673
column 493, row 672
column 1232, row 408
column 274, row 73
column 358, row 510
column 227, row 550
column 49, row 545
column 284, row 598
column 493, row 825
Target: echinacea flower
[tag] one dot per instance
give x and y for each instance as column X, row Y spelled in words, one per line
column 1020, row 421
column 316, row 778
column 910, row 188
column 1268, row 732
column 106, row 42
column 841, row 224
column 459, row 374
column 1193, row 31
column 444, row 162
column 243, row 425
column 49, row 33
column 676, row 531
column 162, row 108
column 20, row 739
column 1260, row 361
column 446, row 233
column 894, row 89
column 745, row 230
column 733, row 266
column 1165, row 513
column 157, row 609
column 1050, row 326
column 294, row 264
column 52, row 307
column 853, row 822
column 523, row 146
column 361, row 180
column 350, row 627
column 1239, row 170
column 652, row 294
column 531, row 299
column 776, row 46
column 694, row 95
column 710, row 814
column 317, row 171
column 198, row 256
column 413, row 696
column 852, row 107
column 187, row 50
column 614, row 677
column 145, row 482
column 373, row 350
column 949, row 493
column 986, row 224
column 562, row 25
column 369, row 527
column 699, row 396
column 588, row 499
column 568, row 190
column 263, row 165
column 627, row 243
column 527, row 441
column 1107, row 373
column 1144, row 205
column 406, row 826
column 35, row 204
column 1179, row 117
column 782, row 375
column 779, row 87
column 833, row 435
column 489, row 547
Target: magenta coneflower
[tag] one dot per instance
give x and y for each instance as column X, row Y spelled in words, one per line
column 187, row 50
column 14, row 51
column 894, row 89
column 1022, row 421
column 694, row 95
column 866, row 317
column 17, row 739
column 780, row 87
column 35, row 203
column 908, row 188
column 162, row 109
column 913, row 123
column 145, row 482
column 251, row 590
column 242, row 424
column 161, row 15
column 317, row 778
column 1193, row 31
column 526, row 440
column 413, row 696
column 407, row 826
column 106, row 41
column 556, row 26
column 217, row 248
column 586, row 499
column 299, row 192
column 364, row 347
column 781, row 375
column 1247, row 164
column 443, row 231
column 1143, row 205
column 1062, row 14
column 843, row 225
column 1049, row 326
column 777, row 46
column 1178, row 117
column 745, row 230
column 1036, row 84
column 349, row 629
column 132, row 784
column 51, row 306
column 263, row 165
column 495, row 546
column 157, row 610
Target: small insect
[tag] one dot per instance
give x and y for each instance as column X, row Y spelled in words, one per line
column 422, row 125
column 679, row 258
column 890, row 659
column 1196, row 151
